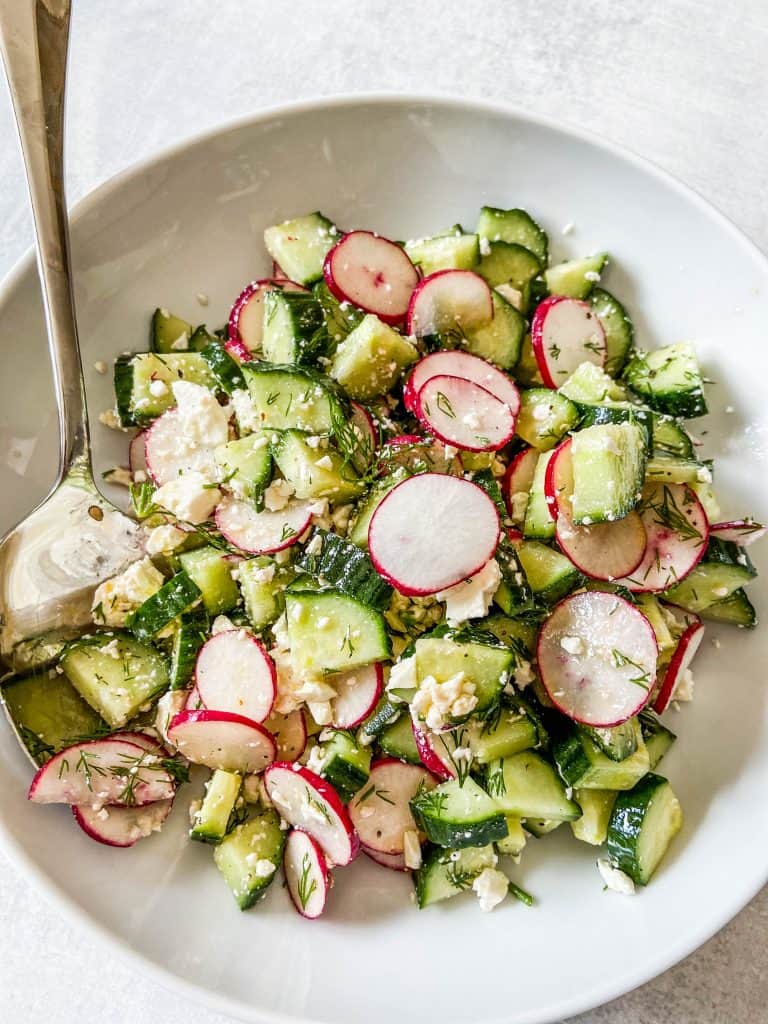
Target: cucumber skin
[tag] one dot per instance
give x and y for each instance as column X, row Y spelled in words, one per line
column 626, row 825
column 459, row 836
column 189, row 638
column 173, row 599
column 347, row 568
column 224, row 369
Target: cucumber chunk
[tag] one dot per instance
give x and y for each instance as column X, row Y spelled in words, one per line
column 596, row 807
column 243, row 855
column 136, row 405
column 49, row 713
column 371, row 359
column 246, row 463
column 737, row 610
column 315, row 472
column 671, row 469
column 178, row 595
column 657, row 737
column 725, row 568
column 644, row 822
column 115, row 674
column 527, row 786
column 509, row 263
column 608, row 464
column 294, row 327
column 346, row 763
column 545, row 417
column 515, row 226
column 503, row 734
column 168, row 333
column 451, row 251
column 500, row 340
column 330, row 632
column 343, row 566
column 398, row 741
column 550, row 574
column 487, row 666
column 617, row 742
column 513, row 844
column 670, row 438
column 224, row 369
column 299, row 246
column 539, row 524
column 191, row 633
column 668, row 380
column 458, row 814
column 446, row 873
column 573, row 278
column 583, row 764
column 287, row 398
column 211, row 820
column 339, row 322
column 358, row 530
column 618, row 328
column 211, row 571
column 590, row 384
column 262, row 583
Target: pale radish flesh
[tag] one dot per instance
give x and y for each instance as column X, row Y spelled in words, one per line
column 372, row 273
column 102, row 772
column 739, row 531
column 219, row 739
column 137, row 458
column 367, row 434
column 262, row 533
column 381, row 810
column 564, row 334
column 233, row 672
column 357, row 694
column 449, row 300
column 122, row 826
column 604, row 551
column 142, row 739
column 308, row 802
column 246, row 319
column 464, row 414
column 166, row 459
column 686, row 649
column 453, row 363
column 306, row 873
column 393, row 861
column 516, row 484
column 432, row 531
column 194, row 701
column 290, row 732
column 597, row 657
column 677, row 533
column 434, row 752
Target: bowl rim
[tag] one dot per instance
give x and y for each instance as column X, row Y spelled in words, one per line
column 601, row 992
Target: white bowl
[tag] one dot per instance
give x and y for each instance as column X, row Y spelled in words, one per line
column 191, row 221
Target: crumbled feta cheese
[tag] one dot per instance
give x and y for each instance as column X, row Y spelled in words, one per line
column 315, row 546
column 261, row 867
column 165, row 539
column 189, row 497
column 513, row 295
column 180, row 343
column 246, row 414
column 591, row 275
column 485, row 247
column 402, row 675
column 158, row 388
column 471, row 598
column 316, row 760
column 572, row 644
column 222, row 624
column 435, row 702
column 684, row 686
column 326, row 462
column 704, row 475
column 100, row 366
column 519, row 505
column 411, row 849
column 140, row 476
column 201, row 418
column 111, row 649
column 109, row 418
column 321, row 711
column 117, row 597
column 170, row 704
column 523, row 673
column 491, row 886
column 202, row 298
column 615, row 879
column 568, row 228
column 315, row 442
column 277, row 495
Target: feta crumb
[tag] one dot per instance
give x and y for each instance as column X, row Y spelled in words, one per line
column 572, row 644
column 403, row 675
column 591, row 275
column 471, row 598
column 116, row 598
column 100, row 366
column 158, row 388
column 111, row 649
column 321, row 711
column 684, row 686
column 262, row 868
column 202, row 298
column 189, row 497
column 615, row 879
column 491, row 886
column 326, row 462
column 567, row 228
column 485, row 247
column 523, row 673
column 316, row 760
column 729, row 409
column 109, row 418
column 315, row 546
column 435, row 702
column 165, row 539
column 277, row 495
column 704, row 475
column 180, row 344
column 412, row 849
column 222, row 624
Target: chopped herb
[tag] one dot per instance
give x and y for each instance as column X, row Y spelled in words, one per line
column 444, row 405
column 306, row 884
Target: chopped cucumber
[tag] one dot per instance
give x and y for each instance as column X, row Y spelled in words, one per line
column 550, row 574
column 315, row 472
column 670, row 438
column 590, row 384
column 487, row 666
column 545, row 417
column 725, row 568
column 513, row 843
column 343, row 566
column 657, row 737
column 168, row 333
column 180, row 594
column 244, row 855
column 262, row 583
column 617, row 742
column 397, row 740
column 539, row 523
column 192, row 630
column 608, row 463
column 330, row 632
column 371, row 359
column 212, row 818
column 618, row 329
column 499, row 341
column 225, row 370
column 671, row 469
column 358, row 530
column 584, row 765
column 457, row 814
column 246, row 463
column 737, row 610
column 575, row 278
column 137, row 406
column 299, row 246
column 446, row 873
column 451, row 251
column 596, row 806
column 527, row 786
column 518, row 634
column 48, row 713
column 339, row 320
column 211, row 571
column 346, row 763
column 294, row 327
column 287, row 398
column 514, row 226
column 508, row 731
column 509, row 263
column 644, row 822
column 669, row 380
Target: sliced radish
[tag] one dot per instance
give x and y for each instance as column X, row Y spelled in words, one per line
column 99, row 772
column 686, row 649
column 393, row 861
column 357, row 695
column 233, row 672
column 122, row 826
column 604, row 551
column 290, row 732
column 597, row 658
column 418, row 453
column 142, row 739
column 137, row 458
column 738, row 531
column 310, row 803
column 677, row 533
column 306, row 873
column 461, row 413
column 516, row 484
column 372, row 273
column 564, row 334
column 194, row 701
column 220, row 739
column 381, row 810
column 367, row 435
column 246, row 320
column 166, row 459
column 453, row 363
column 434, row 752
column 432, row 531
column 449, row 300
column 262, row 533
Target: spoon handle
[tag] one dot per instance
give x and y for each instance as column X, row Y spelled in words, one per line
column 33, row 38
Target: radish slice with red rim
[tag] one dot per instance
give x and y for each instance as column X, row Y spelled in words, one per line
column 246, row 318
column 432, row 531
column 261, row 533
column 290, row 732
column 166, row 460
column 434, row 752
column 564, row 334
column 453, row 363
column 194, row 701
column 142, row 739
column 98, row 772
column 516, row 484
column 358, row 693
column 558, row 477
column 381, row 810
column 372, row 273
column 738, row 531
column 137, row 456
column 233, row 672
column 393, row 861
column 686, row 649
column 367, row 436
column 310, row 803
column 306, row 874
column 449, row 300
column 219, row 739
column 122, row 826
column 464, row 414
column 597, row 657
column 677, row 534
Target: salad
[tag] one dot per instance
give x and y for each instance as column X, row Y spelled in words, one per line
column 428, row 550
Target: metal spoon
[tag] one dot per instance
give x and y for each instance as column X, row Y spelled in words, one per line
column 51, row 562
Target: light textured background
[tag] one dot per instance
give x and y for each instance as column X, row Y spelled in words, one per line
column 682, row 81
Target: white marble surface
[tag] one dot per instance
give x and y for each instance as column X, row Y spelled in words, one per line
column 682, row 81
